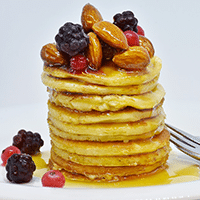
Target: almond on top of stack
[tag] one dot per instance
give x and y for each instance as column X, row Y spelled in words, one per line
column 105, row 113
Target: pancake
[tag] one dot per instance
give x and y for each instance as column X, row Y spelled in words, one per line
column 74, row 86
column 101, row 138
column 131, row 160
column 112, row 129
column 100, row 173
column 110, row 74
column 108, row 102
column 126, row 115
column 112, row 148
column 80, row 177
column 105, row 109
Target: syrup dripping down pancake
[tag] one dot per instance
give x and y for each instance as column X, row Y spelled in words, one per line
column 100, row 138
column 86, row 102
column 111, row 129
column 117, row 148
column 126, row 115
column 110, row 75
column 130, row 160
column 79, row 172
column 75, row 86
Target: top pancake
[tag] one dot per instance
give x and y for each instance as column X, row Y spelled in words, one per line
column 110, row 75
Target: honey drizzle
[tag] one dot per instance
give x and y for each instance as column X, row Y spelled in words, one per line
column 179, row 170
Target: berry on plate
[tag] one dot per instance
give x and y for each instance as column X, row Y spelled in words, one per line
column 132, row 38
column 28, row 142
column 53, row 178
column 6, row 153
column 20, row 168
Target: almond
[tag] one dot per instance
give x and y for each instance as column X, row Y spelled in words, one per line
column 51, row 55
column 90, row 15
column 136, row 57
column 111, row 34
column 146, row 43
column 94, row 52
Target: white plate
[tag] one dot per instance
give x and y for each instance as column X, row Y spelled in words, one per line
column 33, row 117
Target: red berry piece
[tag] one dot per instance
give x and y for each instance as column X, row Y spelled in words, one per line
column 9, row 151
column 140, row 31
column 53, row 178
column 132, row 38
column 78, row 62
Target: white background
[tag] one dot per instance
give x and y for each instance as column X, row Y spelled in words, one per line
column 171, row 25
column 26, row 25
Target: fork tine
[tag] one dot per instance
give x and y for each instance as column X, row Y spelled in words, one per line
column 184, row 134
column 182, row 139
column 192, row 154
column 185, row 142
column 181, row 144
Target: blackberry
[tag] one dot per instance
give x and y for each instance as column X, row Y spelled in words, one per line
column 71, row 39
column 126, row 21
column 28, row 142
column 20, row 168
column 107, row 50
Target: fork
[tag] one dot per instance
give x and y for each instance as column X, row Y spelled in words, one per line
column 185, row 142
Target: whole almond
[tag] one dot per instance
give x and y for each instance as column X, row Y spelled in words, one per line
column 94, row 52
column 146, row 43
column 136, row 57
column 51, row 55
column 90, row 15
column 110, row 34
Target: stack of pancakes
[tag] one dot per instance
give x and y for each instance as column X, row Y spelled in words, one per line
column 106, row 125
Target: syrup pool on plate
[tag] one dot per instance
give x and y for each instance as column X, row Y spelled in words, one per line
column 180, row 169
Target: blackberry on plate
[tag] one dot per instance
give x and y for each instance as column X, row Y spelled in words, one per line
column 71, row 39
column 20, row 168
column 28, row 142
column 126, row 21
